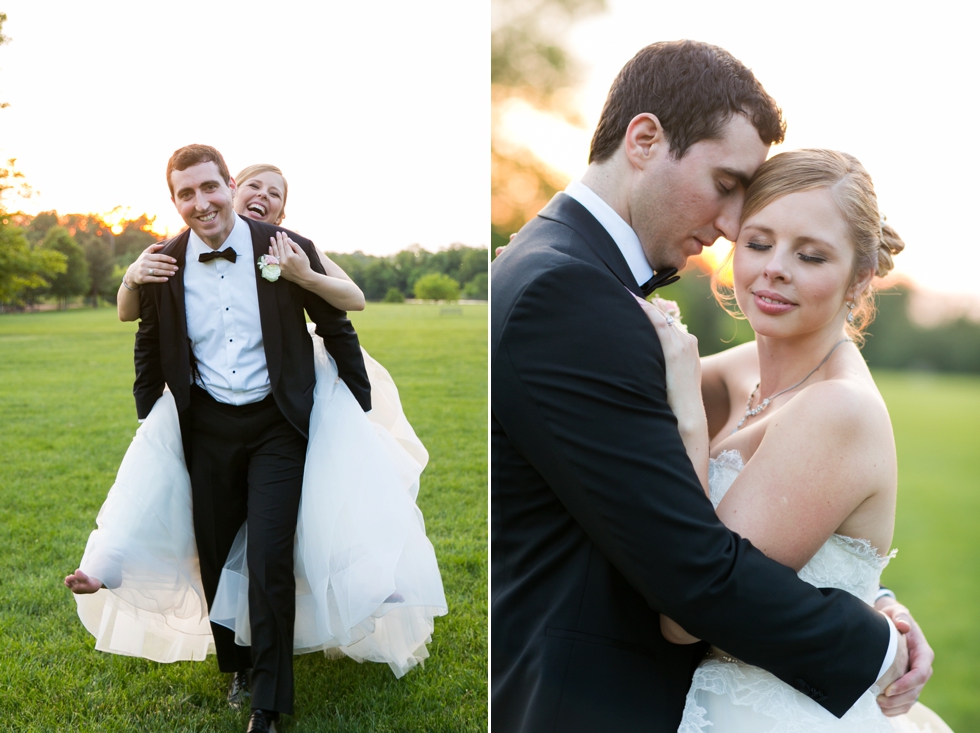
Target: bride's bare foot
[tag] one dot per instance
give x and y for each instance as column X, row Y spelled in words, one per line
column 79, row 582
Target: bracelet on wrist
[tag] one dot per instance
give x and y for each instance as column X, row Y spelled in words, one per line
column 126, row 285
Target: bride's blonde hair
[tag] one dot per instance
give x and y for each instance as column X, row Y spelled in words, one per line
column 875, row 241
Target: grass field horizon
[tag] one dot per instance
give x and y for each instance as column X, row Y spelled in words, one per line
column 67, row 416
column 67, row 412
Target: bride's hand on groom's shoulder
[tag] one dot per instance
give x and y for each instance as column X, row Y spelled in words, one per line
column 683, row 364
column 151, row 267
column 293, row 262
column 901, row 694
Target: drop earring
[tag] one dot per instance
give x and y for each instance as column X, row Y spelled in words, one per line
column 850, row 311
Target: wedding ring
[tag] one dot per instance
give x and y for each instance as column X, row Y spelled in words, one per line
column 670, row 320
column 151, row 271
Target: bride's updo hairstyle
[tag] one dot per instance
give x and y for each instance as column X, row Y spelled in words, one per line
column 253, row 170
column 875, row 241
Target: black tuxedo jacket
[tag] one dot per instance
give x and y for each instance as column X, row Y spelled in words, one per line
column 599, row 523
column 163, row 353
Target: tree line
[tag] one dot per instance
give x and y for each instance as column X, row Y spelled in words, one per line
column 63, row 258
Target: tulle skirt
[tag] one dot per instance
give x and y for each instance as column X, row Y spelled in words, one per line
column 367, row 582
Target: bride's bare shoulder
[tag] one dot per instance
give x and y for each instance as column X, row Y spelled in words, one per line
column 739, row 361
column 842, row 409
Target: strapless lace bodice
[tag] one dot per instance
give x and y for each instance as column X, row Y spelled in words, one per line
column 842, row 562
column 731, row 696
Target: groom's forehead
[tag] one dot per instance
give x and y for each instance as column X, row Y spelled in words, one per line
column 196, row 176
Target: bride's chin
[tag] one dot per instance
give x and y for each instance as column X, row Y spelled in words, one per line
column 768, row 326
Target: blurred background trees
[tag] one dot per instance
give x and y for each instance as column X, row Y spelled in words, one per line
column 67, row 257
column 529, row 64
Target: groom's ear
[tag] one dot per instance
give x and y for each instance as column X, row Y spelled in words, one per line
column 645, row 140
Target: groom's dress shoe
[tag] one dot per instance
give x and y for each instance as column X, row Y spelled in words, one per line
column 238, row 690
column 262, row 721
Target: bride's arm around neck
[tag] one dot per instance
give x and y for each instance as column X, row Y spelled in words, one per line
column 826, row 464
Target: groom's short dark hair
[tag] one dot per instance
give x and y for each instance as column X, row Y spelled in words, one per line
column 183, row 158
column 693, row 88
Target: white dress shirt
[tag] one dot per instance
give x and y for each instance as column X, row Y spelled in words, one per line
column 223, row 321
column 629, row 244
column 621, row 232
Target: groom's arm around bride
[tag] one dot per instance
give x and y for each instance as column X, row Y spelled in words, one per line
column 598, row 520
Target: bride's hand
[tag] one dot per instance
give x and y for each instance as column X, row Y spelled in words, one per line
column 294, row 265
column 151, row 267
column 682, row 362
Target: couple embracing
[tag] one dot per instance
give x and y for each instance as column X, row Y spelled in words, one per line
column 643, row 500
column 267, row 504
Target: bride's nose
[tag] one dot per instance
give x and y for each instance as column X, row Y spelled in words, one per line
column 776, row 267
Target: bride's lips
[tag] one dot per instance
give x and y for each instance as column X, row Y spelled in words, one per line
column 772, row 304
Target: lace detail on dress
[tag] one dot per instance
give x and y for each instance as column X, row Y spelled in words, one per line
column 740, row 698
column 848, row 563
column 721, row 474
column 737, row 697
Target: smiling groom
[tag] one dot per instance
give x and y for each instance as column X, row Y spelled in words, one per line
column 234, row 349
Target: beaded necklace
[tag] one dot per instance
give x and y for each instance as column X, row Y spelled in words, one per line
column 752, row 412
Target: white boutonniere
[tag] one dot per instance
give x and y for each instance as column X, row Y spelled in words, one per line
column 269, row 267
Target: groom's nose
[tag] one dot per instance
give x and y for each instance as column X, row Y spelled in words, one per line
column 729, row 217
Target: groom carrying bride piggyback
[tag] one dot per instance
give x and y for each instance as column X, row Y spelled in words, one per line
column 599, row 521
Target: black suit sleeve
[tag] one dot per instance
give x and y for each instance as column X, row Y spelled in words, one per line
column 584, row 398
column 339, row 336
column 149, row 373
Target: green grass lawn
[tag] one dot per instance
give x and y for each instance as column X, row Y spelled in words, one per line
column 937, row 426
column 66, row 418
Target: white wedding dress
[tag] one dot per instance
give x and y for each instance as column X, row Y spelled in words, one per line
column 367, row 582
column 733, row 697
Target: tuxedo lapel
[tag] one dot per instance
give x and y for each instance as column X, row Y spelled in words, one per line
column 566, row 210
column 268, row 294
column 173, row 304
column 176, row 354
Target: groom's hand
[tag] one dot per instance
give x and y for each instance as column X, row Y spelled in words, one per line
column 899, row 696
column 900, row 666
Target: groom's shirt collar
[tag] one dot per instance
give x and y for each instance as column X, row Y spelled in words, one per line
column 238, row 239
column 621, row 232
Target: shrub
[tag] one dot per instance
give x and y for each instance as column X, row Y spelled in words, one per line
column 436, row 286
column 394, row 295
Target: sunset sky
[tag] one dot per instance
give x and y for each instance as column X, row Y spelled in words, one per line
column 896, row 88
column 378, row 113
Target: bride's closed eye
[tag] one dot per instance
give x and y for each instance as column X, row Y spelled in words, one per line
column 762, row 247
column 811, row 258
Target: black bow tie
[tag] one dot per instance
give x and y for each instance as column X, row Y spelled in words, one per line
column 659, row 280
column 228, row 254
